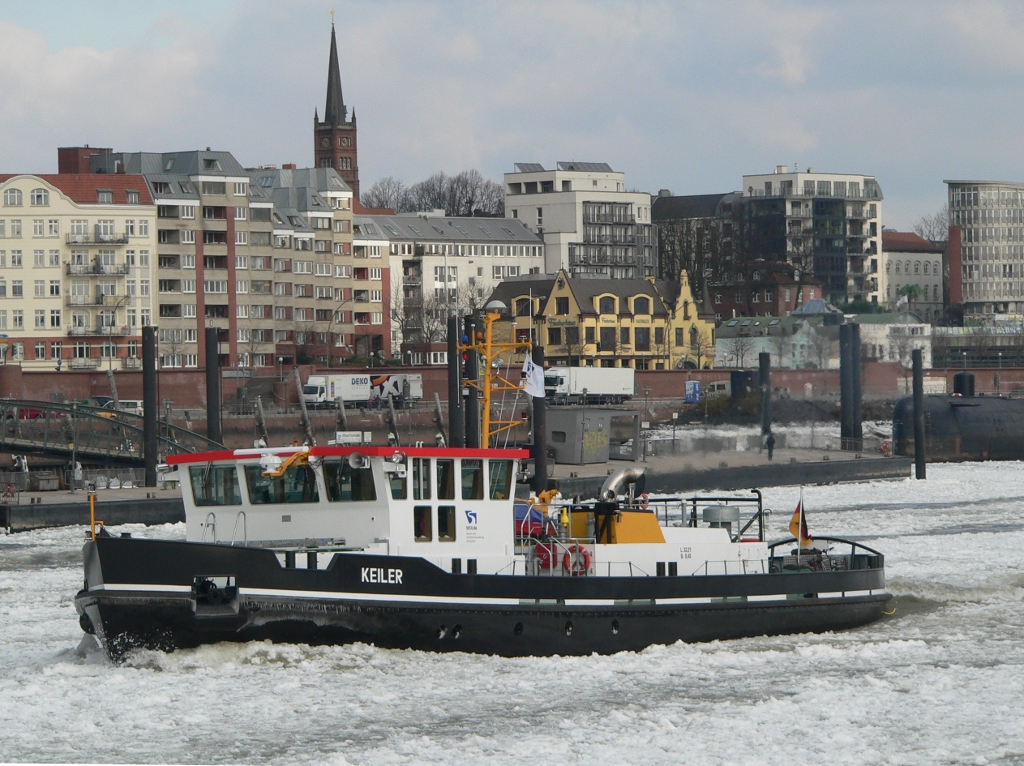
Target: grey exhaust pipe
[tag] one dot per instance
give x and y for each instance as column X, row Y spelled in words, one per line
column 618, row 480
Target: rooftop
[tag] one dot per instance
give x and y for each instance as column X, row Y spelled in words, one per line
column 84, row 188
column 397, row 228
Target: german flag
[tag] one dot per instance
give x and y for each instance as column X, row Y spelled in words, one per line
column 798, row 524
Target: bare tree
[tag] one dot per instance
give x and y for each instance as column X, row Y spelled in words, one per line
column 434, row 319
column 935, row 227
column 821, row 345
column 781, row 344
column 405, row 309
column 694, row 244
column 573, row 342
column 253, row 343
column 386, row 192
column 466, row 194
column 701, row 346
column 170, row 342
column 739, row 348
column 469, row 298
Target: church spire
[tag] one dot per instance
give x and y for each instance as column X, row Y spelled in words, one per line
column 336, row 111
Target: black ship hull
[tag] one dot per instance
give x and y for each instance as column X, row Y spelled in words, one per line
column 142, row 594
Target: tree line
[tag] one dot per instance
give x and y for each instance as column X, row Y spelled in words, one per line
column 465, row 194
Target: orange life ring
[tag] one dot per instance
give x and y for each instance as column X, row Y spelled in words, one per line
column 644, row 501
column 576, row 560
column 885, row 447
column 546, row 555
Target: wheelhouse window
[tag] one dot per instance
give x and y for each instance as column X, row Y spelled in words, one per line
column 446, row 523
column 296, row 485
column 347, row 484
column 421, row 523
column 445, row 479
column 215, row 484
column 472, row 479
column 398, row 486
column 420, row 478
column 500, row 479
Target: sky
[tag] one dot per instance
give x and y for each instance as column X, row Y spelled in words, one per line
column 686, row 96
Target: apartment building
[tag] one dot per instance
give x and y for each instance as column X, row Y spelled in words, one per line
column 374, row 292
column 908, row 259
column 75, row 270
column 314, row 313
column 207, row 233
column 986, row 254
column 590, row 224
column 447, row 264
column 830, row 223
column 762, row 288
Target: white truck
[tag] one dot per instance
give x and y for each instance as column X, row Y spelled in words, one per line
column 565, row 385
column 325, row 390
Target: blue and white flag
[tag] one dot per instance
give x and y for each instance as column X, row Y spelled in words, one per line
column 533, row 378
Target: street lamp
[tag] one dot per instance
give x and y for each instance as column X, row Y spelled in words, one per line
column 965, row 359
column 1000, row 359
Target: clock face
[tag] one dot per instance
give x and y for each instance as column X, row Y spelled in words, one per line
column 325, row 142
column 346, row 141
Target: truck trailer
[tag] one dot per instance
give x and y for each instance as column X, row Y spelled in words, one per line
column 322, row 391
column 603, row 385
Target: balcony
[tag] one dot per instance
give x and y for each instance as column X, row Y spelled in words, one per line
column 131, row 363
column 99, row 300
column 608, row 218
column 84, row 364
column 98, row 239
column 412, row 279
column 97, row 270
column 77, row 332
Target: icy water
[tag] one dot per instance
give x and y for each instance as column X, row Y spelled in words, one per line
column 939, row 682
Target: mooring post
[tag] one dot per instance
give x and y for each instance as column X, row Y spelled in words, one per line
column 212, row 387
column 764, row 361
column 845, row 386
column 919, row 470
column 149, row 405
column 857, row 415
column 456, row 423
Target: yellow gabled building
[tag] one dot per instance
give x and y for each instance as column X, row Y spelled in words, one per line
column 639, row 323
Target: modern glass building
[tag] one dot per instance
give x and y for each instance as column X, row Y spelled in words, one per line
column 990, row 219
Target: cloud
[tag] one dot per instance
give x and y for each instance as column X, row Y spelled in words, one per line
column 678, row 94
column 63, row 96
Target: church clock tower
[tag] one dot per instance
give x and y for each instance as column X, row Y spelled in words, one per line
column 334, row 139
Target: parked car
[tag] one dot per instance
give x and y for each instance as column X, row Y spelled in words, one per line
column 131, row 406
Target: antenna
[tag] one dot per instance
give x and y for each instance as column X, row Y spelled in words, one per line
column 332, row 17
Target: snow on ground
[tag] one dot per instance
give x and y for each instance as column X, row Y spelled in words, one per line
column 938, row 682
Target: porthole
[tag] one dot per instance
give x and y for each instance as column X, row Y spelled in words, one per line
column 518, row 629
column 442, row 632
column 568, row 628
column 456, row 631
column 615, row 627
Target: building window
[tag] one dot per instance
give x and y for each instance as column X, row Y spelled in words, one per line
column 562, row 306
column 12, row 198
column 624, row 336
column 607, row 305
column 641, row 306
column 554, row 336
column 105, row 196
column 133, row 197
